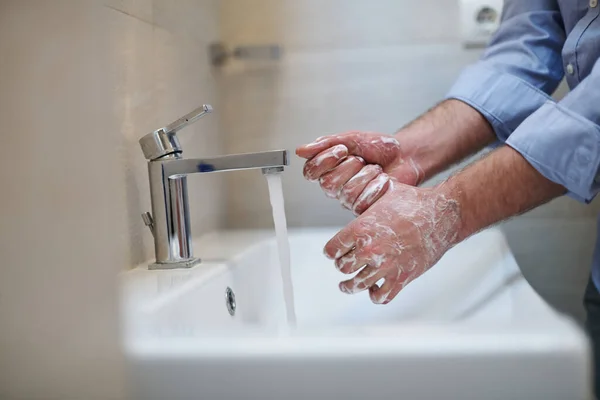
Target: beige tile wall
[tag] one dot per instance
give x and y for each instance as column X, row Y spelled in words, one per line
column 358, row 64
column 80, row 82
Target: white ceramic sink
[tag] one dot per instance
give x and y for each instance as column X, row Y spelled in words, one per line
column 470, row 328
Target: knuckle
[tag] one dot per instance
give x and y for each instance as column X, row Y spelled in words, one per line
column 328, row 186
column 346, row 200
column 311, row 171
column 348, row 268
column 365, row 252
column 341, row 264
column 350, row 193
column 345, row 192
column 360, row 206
column 374, row 169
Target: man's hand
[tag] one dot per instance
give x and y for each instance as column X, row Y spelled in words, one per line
column 346, row 164
column 409, row 229
column 399, row 238
column 349, row 167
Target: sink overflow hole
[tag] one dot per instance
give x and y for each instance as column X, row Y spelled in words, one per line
column 230, row 301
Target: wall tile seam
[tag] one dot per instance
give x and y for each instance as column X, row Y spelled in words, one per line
column 193, row 38
column 129, row 14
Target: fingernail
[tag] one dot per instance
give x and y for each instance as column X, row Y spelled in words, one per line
column 339, row 151
column 344, row 289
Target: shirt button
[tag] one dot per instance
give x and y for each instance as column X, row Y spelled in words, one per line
column 570, row 69
column 593, row 3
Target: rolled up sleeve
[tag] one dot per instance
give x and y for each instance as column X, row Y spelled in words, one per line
column 520, row 68
column 562, row 140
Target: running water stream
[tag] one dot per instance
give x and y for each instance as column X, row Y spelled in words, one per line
column 283, row 245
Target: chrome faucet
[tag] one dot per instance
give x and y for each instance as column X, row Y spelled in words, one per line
column 167, row 171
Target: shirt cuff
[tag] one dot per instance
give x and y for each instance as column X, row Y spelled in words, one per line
column 563, row 146
column 503, row 99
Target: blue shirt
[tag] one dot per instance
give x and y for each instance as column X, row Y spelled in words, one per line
column 537, row 44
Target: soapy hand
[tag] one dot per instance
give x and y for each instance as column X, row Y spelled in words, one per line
column 349, row 167
column 399, row 238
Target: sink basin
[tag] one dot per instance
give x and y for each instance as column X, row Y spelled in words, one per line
column 470, row 328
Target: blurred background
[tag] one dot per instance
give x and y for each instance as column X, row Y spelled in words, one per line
column 82, row 81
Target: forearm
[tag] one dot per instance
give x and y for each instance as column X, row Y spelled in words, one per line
column 445, row 135
column 501, row 185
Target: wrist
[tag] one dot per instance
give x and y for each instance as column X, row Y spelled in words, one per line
column 452, row 195
column 405, row 170
column 448, row 133
column 416, row 153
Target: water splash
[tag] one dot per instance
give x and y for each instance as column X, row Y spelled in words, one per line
column 283, row 245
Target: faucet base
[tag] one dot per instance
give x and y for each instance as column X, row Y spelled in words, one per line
column 175, row 265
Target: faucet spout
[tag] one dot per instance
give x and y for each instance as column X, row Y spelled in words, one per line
column 170, row 207
column 176, row 168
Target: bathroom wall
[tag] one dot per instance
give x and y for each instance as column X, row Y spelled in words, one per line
column 80, row 82
column 365, row 65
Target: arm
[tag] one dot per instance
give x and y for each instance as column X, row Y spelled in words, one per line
column 520, row 68
column 445, row 135
column 409, row 229
column 500, row 186
column 562, row 140
column 556, row 150
column 348, row 166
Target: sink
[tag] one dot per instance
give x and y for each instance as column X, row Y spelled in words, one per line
column 469, row 328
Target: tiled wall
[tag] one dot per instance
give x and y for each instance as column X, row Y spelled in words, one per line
column 365, row 65
column 80, row 82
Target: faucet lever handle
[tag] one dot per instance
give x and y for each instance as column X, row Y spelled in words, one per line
column 188, row 119
column 148, row 221
column 163, row 141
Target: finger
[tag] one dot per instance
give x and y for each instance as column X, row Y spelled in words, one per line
column 366, row 278
column 379, row 295
column 353, row 261
column 324, row 162
column 349, row 139
column 341, row 243
column 355, row 186
column 374, row 190
column 391, row 287
column 333, row 181
column 310, row 150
